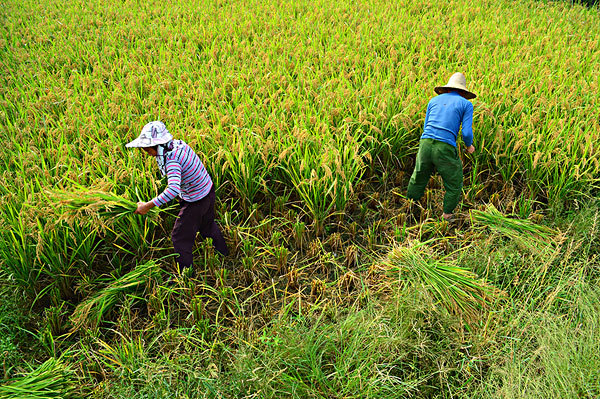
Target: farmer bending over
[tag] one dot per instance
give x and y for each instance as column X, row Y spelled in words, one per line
column 437, row 147
column 187, row 179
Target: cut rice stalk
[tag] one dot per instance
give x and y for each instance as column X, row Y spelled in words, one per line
column 91, row 311
column 536, row 238
column 52, row 379
column 456, row 288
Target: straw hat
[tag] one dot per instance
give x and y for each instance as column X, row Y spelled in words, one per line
column 153, row 133
column 458, row 81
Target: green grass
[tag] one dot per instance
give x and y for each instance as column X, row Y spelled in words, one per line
column 13, row 339
column 400, row 347
column 557, row 357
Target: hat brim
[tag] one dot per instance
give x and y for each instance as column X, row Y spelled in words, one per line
column 445, row 89
column 138, row 143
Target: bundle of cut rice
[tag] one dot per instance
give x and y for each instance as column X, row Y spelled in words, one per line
column 52, row 379
column 104, row 204
column 535, row 237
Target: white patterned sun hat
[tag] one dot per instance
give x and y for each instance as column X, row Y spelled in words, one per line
column 153, row 133
column 457, row 81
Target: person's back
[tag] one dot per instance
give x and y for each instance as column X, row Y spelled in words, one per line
column 187, row 177
column 445, row 115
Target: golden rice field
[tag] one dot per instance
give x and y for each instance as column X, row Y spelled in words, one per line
column 307, row 116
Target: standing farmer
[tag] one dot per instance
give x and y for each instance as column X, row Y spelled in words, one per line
column 187, row 179
column 437, row 148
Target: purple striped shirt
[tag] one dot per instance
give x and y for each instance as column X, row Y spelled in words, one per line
column 186, row 175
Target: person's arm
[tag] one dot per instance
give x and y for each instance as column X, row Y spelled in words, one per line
column 171, row 191
column 173, row 184
column 467, row 128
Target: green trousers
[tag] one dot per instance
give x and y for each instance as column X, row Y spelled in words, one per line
column 435, row 155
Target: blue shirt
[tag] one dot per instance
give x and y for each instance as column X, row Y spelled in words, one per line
column 445, row 114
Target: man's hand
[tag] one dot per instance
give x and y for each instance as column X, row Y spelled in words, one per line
column 144, row 207
column 470, row 149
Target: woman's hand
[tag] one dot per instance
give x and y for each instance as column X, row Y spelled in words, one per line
column 470, row 149
column 144, row 207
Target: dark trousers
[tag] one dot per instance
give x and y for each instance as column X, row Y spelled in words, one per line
column 443, row 157
column 196, row 217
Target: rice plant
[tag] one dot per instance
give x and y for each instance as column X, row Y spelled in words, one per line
column 18, row 251
column 324, row 180
column 64, row 252
column 247, row 167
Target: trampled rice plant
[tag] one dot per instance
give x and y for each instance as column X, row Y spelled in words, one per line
column 93, row 309
column 126, row 357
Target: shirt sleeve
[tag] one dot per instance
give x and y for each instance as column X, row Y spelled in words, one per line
column 173, row 184
column 467, row 125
